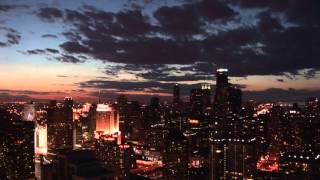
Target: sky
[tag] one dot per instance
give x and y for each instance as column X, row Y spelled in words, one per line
column 51, row 48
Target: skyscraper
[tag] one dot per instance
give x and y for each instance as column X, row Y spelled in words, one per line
column 175, row 156
column 206, row 94
column 107, row 121
column 29, row 112
column 16, row 148
column 221, row 86
column 176, row 94
column 60, row 134
column 231, row 149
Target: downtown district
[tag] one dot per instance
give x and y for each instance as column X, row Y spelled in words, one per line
column 223, row 138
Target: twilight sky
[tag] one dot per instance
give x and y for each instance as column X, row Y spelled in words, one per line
column 53, row 48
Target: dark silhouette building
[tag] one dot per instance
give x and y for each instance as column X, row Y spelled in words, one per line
column 175, row 156
column 60, row 124
column 176, row 95
column 16, row 148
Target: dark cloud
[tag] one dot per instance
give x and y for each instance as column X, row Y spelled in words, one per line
column 74, row 47
column 306, row 12
column 188, row 18
column 49, row 36
column 68, row 59
column 40, row 51
column 274, row 4
column 54, row 51
column 11, row 37
column 185, row 34
column 8, row 7
column 268, row 24
column 72, row 36
column 49, row 14
column 310, row 73
column 35, row 51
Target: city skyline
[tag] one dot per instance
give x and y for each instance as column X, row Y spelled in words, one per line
column 141, row 48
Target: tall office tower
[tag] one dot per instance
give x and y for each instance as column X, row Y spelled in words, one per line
column 29, row 112
column 16, row 148
column 41, row 145
column 114, row 157
column 175, row 156
column 312, row 113
column 41, row 132
column 196, row 101
column 176, row 94
column 206, row 94
column 235, row 99
column 122, row 101
column 59, row 125
column 174, row 118
column 298, row 156
column 231, row 147
column 68, row 102
column 231, row 151
column 107, row 122
column 221, row 87
column 129, row 120
column 292, row 127
column 274, row 133
column 200, row 100
column 40, row 139
column 150, row 118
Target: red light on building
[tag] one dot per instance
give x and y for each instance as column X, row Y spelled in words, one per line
column 124, row 146
column 193, row 121
column 19, row 141
column 145, row 163
column 268, row 163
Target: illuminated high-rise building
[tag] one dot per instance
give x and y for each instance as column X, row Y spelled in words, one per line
column 200, row 99
column 68, row 102
column 107, row 120
column 41, row 145
column 29, row 112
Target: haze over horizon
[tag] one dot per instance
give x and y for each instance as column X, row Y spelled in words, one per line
column 141, row 48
